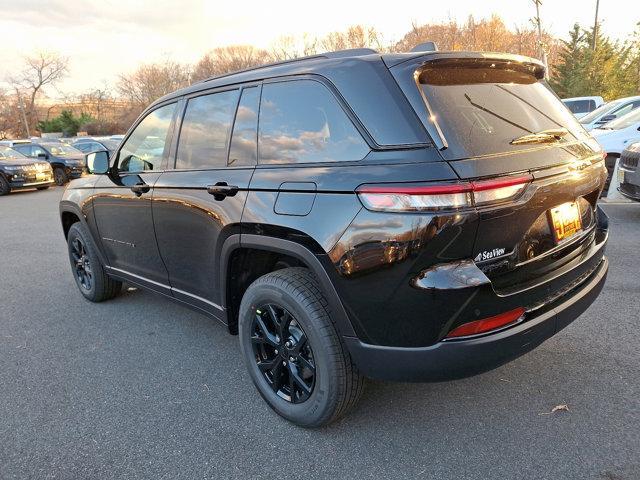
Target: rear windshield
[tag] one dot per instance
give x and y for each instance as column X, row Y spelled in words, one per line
column 580, row 106
column 487, row 106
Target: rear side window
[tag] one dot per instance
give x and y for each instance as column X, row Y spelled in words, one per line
column 205, row 131
column 23, row 149
column 244, row 140
column 486, row 106
column 301, row 122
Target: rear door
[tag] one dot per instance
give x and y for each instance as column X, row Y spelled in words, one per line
column 198, row 203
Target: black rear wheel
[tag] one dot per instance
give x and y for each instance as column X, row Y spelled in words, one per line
column 294, row 354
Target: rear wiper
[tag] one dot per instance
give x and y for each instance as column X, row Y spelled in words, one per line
column 545, row 136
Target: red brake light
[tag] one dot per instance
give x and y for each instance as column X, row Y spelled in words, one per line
column 403, row 198
column 487, row 324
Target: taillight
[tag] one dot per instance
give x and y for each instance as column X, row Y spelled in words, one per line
column 446, row 196
column 487, row 324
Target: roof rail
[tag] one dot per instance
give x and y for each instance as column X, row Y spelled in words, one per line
column 352, row 52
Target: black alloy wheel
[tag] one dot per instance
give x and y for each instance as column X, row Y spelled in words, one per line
column 82, row 266
column 282, row 353
column 59, row 176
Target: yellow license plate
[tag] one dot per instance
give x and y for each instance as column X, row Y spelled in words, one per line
column 565, row 220
column 41, row 176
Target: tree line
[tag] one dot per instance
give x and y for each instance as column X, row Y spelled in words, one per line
column 611, row 69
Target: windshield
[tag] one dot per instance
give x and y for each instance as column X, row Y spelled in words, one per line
column 488, row 106
column 63, row 150
column 7, row 153
column 624, row 121
column 601, row 110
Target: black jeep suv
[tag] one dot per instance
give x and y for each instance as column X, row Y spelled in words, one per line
column 67, row 162
column 411, row 217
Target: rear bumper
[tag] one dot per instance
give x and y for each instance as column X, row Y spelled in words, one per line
column 454, row 359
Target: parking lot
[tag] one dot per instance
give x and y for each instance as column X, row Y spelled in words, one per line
column 139, row 387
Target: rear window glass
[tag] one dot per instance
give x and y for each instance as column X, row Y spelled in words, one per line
column 205, row 131
column 301, row 121
column 580, row 106
column 484, row 107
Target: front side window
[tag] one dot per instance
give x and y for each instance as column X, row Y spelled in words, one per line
column 205, row 131
column 301, row 122
column 144, row 149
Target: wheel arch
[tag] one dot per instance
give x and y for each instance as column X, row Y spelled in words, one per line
column 71, row 214
column 283, row 249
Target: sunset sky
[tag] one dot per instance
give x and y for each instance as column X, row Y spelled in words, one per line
column 108, row 37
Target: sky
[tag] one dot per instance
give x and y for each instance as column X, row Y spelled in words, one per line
column 104, row 38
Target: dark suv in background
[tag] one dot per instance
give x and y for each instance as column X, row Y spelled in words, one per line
column 67, row 162
column 18, row 172
column 414, row 217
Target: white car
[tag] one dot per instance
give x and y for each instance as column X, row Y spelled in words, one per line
column 615, row 136
column 580, row 106
column 609, row 112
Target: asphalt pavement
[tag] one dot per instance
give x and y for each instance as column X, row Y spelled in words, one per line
column 139, row 387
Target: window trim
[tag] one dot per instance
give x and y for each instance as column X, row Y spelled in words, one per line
column 355, row 121
column 170, row 132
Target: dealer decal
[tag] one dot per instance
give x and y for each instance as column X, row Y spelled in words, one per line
column 489, row 254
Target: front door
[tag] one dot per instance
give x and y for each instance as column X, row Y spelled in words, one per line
column 122, row 201
column 197, row 205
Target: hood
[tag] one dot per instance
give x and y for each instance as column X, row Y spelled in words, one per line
column 20, row 162
column 614, row 141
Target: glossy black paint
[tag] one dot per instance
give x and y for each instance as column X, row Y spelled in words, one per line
column 396, row 283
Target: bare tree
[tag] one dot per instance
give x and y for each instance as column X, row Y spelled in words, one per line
column 229, row 59
column 152, row 81
column 40, row 70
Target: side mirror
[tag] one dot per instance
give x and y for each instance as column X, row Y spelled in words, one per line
column 44, row 156
column 608, row 118
column 97, row 162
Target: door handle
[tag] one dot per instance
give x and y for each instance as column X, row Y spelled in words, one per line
column 221, row 190
column 140, row 188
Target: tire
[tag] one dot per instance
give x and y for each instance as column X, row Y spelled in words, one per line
column 60, row 176
column 94, row 284
column 5, row 188
column 293, row 295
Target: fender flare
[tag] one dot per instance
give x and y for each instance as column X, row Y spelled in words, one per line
column 279, row 245
column 70, row 207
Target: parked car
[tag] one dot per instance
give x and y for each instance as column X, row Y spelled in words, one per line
column 92, row 144
column 462, row 172
column 629, row 175
column 615, row 136
column 66, row 161
column 18, row 172
column 13, row 143
column 609, row 112
column 580, row 106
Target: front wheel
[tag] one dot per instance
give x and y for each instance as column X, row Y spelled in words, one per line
column 293, row 351
column 60, row 176
column 87, row 268
column 5, row 188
